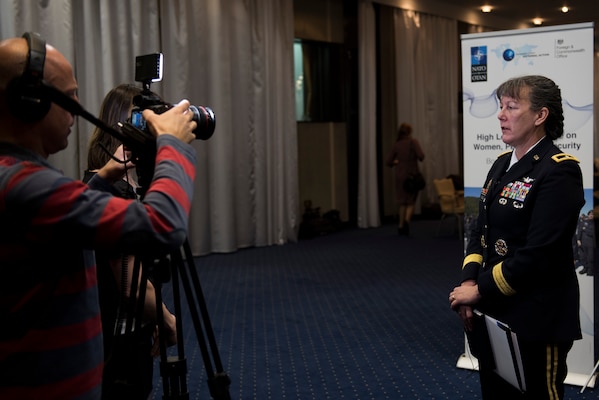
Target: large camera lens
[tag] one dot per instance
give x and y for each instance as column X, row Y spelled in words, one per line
column 204, row 117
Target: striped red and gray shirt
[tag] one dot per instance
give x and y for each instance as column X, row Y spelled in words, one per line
column 51, row 335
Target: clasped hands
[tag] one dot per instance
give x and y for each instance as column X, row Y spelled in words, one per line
column 462, row 298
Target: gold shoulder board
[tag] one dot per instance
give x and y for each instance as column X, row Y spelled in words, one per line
column 558, row 158
column 504, row 153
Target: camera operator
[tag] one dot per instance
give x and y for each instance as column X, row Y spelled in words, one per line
column 128, row 362
column 51, row 336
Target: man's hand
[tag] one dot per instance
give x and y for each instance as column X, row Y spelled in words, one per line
column 177, row 121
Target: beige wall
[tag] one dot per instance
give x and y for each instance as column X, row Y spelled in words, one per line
column 322, row 147
column 322, row 159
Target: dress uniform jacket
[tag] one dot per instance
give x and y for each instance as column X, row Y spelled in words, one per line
column 520, row 249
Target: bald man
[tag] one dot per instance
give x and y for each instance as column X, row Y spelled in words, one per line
column 51, row 340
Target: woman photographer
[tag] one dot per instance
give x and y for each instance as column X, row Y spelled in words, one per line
column 128, row 357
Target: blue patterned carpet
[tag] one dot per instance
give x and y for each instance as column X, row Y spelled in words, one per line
column 358, row 314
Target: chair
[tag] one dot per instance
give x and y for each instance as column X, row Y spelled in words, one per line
column 451, row 202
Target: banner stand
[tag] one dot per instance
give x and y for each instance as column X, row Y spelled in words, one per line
column 590, row 378
column 466, row 359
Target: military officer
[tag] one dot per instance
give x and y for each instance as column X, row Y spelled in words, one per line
column 519, row 264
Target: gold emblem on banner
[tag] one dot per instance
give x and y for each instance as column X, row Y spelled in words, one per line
column 501, row 247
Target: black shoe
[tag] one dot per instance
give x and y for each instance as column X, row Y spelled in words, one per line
column 582, row 271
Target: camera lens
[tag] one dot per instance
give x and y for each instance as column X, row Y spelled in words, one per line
column 204, row 118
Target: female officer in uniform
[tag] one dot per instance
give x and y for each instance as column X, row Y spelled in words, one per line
column 519, row 265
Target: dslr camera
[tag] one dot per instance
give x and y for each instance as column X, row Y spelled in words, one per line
column 148, row 69
column 134, row 133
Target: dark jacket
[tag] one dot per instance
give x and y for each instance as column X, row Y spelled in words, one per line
column 520, row 249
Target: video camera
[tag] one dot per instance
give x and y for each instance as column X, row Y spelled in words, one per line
column 148, row 69
column 134, row 133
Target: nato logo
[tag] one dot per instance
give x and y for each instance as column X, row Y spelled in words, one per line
column 478, row 55
column 478, row 64
column 508, row 55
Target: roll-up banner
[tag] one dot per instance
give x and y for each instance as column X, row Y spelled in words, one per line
column 564, row 54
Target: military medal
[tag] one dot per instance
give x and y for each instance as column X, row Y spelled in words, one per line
column 485, row 190
column 501, row 247
column 516, row 190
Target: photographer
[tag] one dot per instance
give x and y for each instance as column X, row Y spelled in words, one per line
column 128, row 363
column 51, row 341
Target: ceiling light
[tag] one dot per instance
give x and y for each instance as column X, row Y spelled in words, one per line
column 565, row 9
column 537, row 21
column 486, row 9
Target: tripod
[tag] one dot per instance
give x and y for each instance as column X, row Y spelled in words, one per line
column 173, row 369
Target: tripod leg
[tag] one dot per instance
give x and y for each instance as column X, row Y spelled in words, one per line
column 203, row 308
column 135, row 304
column 173, row 370
column 218, row 382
